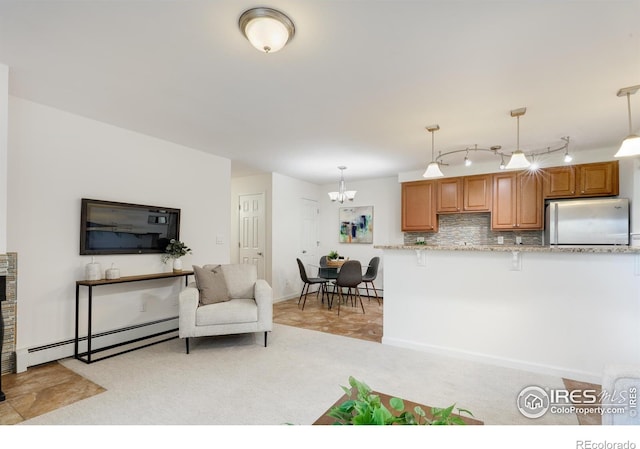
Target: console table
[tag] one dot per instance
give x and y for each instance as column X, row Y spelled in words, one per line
column 87, row 356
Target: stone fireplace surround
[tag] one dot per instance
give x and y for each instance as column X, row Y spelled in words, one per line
column 9, row 270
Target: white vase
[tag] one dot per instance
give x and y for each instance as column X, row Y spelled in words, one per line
column 177, row 265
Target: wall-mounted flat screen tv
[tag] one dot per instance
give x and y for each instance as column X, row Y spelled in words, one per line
column 107, row 227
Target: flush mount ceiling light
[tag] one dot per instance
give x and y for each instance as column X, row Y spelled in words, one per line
column 631, row 144
column 433, row 169
column 342, row 194
column 267, row 29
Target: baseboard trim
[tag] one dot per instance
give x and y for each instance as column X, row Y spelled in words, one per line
column 551, row 370
column 38, row 355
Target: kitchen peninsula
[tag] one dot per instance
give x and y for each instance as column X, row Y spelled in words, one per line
column 555, row 310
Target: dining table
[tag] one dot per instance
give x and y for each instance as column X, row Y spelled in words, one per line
column 330, row 272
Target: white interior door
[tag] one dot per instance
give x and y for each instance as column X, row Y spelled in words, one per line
column 252, row 231
column 309, row 238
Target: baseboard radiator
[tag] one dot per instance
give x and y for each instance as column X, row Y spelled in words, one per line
column 64, row 349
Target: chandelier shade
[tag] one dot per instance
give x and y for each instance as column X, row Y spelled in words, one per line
column 342, row 194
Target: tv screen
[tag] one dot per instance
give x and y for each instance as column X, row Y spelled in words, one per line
column 107, row 227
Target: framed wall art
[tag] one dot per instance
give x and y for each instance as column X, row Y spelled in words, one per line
column 356, row 224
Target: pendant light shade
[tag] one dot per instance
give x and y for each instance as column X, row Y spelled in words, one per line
column 518, row 158
column 433, row 169
column 518, row 161
column 267, row 29
column 631, row 145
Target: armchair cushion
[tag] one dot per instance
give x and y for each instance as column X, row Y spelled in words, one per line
column 211, row 285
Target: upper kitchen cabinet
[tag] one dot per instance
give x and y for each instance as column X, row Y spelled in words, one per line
column 477, row 193
column 464, row 194
column 583, row 180
column 449, row 195
column 419, row 206
column 517, row 201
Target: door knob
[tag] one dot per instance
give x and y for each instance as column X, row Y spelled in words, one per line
column 259, row 254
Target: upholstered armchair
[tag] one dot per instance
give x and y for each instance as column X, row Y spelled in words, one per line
column 225, row 299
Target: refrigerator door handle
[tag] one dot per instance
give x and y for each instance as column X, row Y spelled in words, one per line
column 555, row 223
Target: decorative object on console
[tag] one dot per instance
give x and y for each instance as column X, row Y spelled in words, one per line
column 342, row 194
column 267, row 29
column 113, row 272
column 631, row 144
column 333, row 255
column 356, row 224
column 93, row 271
column 175, row 250
column 517, row 160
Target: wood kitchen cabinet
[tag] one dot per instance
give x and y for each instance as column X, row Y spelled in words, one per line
column 477, row 193
column 419, row 206
column 449, row 195
column 599, row 179
column 464, row 194
column 582, row 180
column 517, row 201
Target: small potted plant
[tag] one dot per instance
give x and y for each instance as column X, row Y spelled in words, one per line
column 333, row 255
column 175, row 250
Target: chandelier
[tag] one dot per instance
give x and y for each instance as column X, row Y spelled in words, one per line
column 342, row 194
column 516, row 160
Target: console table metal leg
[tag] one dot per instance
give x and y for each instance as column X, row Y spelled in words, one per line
column 2, row 395
column 75, row 342
column 89, row 313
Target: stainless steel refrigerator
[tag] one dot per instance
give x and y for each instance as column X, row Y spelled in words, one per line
column 593, row 221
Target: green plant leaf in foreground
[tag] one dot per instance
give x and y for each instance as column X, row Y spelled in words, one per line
column 367, row 409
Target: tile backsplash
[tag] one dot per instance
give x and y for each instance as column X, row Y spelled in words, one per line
column 471, row 229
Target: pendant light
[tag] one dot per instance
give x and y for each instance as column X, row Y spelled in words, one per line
column 267, row 29
column 631, row 144
column 518, row 159
column 342, row 194
column 433, row 169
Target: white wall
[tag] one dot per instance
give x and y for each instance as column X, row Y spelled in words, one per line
column 55, row 159
column 286, row 232
column 384, row 195
column 565, row 314
column 4, row 110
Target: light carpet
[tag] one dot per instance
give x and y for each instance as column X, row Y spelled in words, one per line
column 236, row 380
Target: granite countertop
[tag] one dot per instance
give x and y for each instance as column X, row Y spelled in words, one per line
column 521, row 248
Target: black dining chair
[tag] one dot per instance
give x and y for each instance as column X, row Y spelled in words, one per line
column 370, row 276
column 349, row 277
column 308, row 282
column 325, row 271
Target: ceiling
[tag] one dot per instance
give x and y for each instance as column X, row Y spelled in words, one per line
column 356, row 86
